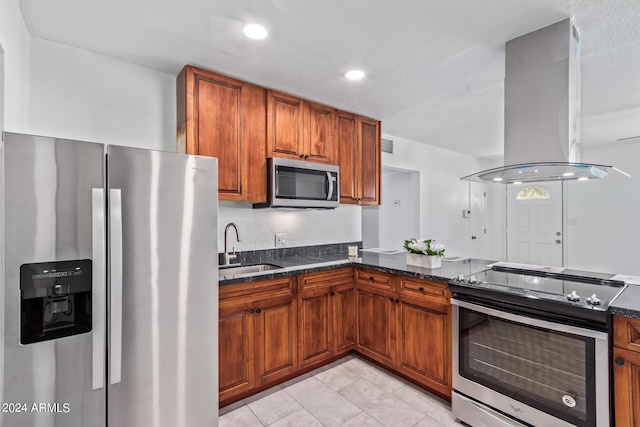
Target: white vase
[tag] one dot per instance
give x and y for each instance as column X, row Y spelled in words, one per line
column 431, row 261
column 426, row 261
column 415, row 259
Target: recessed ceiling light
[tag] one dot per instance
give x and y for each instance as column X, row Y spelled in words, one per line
column 568, row 174
column 583, row 178
column 517, row 182
column 355, row 75
column 498, row 179
column 255, row 31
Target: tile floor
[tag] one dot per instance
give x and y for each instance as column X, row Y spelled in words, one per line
column 349, row 392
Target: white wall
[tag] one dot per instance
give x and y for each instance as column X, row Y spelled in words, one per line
column 443, row 196
column 257, row 227
column 604, row 215
column 79, row 94
column 15, row 41
column 400, row 207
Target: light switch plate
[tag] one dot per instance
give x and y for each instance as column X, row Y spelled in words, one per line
column 281, row 239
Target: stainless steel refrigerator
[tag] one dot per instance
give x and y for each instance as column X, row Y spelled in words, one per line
column 109, row 286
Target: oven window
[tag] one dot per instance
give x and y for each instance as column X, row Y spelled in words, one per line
column 297, row 183
column 548, row 370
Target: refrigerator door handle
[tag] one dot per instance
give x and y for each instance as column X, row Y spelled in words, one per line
column 98, row 295
column 115, row 240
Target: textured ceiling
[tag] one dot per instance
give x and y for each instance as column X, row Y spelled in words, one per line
column 435, row 68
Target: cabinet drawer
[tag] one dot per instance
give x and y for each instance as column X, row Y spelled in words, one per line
column 280, row 285
column 323, row 278
column 424, row 288
column 376, row 279
column 626, row 333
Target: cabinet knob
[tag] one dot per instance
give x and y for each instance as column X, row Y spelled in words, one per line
column 397, row 300
column 258, row 310
column 332, row 293
column 391, row 299
column 302, row 156
column 421, row 289
column 306, row 156
column 251, row 310
column 619, row 361
column 371, row 278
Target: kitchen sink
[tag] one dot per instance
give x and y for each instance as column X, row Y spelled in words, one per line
column 245, row 269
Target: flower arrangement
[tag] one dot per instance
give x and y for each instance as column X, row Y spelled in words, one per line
column 424, row 247
column 424, row 253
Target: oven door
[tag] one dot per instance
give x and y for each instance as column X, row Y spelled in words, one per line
column 539, row 372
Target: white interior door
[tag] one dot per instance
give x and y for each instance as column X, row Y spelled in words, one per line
column 477, row 224
column 534, row 223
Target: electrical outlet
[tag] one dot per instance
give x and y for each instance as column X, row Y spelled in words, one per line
column 281, row 239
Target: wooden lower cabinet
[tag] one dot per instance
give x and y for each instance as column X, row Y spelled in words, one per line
column 315, row 324
column 376, row 311
column 269, row 332
column 626, row 377
column 326, row 316
column 344, row 312
column 626, row 371
column 236, row 344
column 257, row 335
column 424, row 343
column 275, row 330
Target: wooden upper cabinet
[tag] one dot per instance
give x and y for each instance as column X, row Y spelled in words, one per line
column 358, row 140
column 284, row 125
column 225, row 118
column 299, row 129
column 347, row 142
column 370, row 155
column 318, row 132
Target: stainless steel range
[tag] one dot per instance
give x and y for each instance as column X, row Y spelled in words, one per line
column 531, row 347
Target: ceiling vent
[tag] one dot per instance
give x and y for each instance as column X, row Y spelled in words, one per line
column 387, row 146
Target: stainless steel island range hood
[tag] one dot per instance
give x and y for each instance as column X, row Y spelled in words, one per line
column 542, row 110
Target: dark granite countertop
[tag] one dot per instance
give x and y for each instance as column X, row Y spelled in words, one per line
column 627, row 304
column 394, row 264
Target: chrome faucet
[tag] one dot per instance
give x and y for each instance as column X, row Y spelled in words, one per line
column 226, row 257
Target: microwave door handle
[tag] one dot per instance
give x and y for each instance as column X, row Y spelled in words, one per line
column 330, row 180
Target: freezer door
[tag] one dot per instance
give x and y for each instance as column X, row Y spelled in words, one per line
column 163, row 289
column 51, row 283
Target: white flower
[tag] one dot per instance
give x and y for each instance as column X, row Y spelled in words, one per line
column 418, row 246
column 437, row 247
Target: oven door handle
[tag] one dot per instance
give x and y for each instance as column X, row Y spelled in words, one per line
column 530, row 320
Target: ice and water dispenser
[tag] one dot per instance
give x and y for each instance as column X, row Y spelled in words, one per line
column 55, row 300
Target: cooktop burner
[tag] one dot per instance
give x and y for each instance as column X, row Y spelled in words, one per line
column 568, row 293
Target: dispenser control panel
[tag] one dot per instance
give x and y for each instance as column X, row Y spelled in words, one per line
column 55, row 300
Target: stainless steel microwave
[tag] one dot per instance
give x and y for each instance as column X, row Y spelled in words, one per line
column 300, row 184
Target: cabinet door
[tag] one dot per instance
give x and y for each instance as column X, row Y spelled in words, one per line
column 346, row 141
column 424, row 343
column 344, row 312
column 626, row 377
column 318, row 133
column 376, row 325
column 315, row 325
column 235, row 348
column 225, row 118
column 284, row 125
column 369, row 151
column 275, row 332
